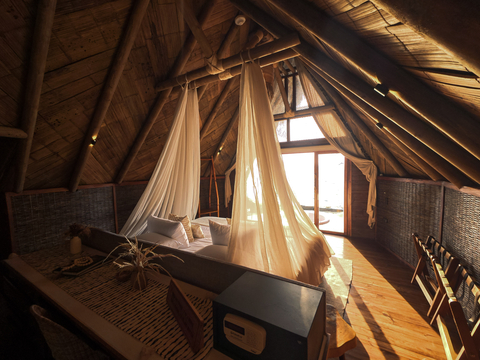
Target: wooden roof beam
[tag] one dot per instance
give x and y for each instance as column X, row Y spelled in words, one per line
column 452, row 25
column 283, row 93
column 33, row 88
column 195, row 28
column 229, row 128
column 114, row 75
column 306, row 112
column 162, row 98
column 290, row 66
column 374, row 140
column 11, row 132
column 329, row 69
column 270, row 48
column 440, row 165
column 449, row 118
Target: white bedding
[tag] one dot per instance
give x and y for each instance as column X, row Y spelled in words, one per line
column 202, row 246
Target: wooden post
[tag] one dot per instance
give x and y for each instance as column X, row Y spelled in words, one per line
column 430, row 157
column 377, row 144
column 163, row 96
column 11, row 132
column 281, row 86
column 216, row 108
column 451, row 25
column 33, row 88
column 270, row 48
column 329, row 69
column 435, row 108
column 114, row 75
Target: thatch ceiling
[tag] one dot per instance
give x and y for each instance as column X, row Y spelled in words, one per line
column 86, row 38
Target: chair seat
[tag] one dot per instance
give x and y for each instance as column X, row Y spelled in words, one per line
column 342, row 336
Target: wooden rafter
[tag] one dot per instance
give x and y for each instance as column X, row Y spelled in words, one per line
column 329, row 69
column 450, row 172
column 428, row 17
column 114, row 75
column 435, row 108
column 275, row 46
column 374, row 140
column 11, row 132
column 162, row 98
column 196, row 28
column 229, row 128
column 33, row 89
column 290, row 66
column 283, row 93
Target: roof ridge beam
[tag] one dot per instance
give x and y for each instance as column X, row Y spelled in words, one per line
column 114, row 75
column 33, row 88
column 435, row 108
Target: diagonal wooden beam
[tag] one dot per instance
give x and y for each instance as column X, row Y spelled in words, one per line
column 216, row 108
column 329, row 69
column 283, row 93
column 451, row 25
column 229, row 128
column 11, row 132
column 306, row 112
column 435, row 108
column 196, row 28
column 450, row 172
column 290, row 66
column 374, row 140
column 114, row 75
column 162, row 98
column 33, row 88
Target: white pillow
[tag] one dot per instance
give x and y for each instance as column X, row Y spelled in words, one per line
column 220, row 233
column 169, row 228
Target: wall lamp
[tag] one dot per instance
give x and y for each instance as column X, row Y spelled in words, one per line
column 381, row 89
column 379, row 125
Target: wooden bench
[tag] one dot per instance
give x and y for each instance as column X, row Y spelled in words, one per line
column 459, row 341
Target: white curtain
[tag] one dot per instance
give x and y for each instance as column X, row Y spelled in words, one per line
column 338, row 136
column 270, row 231
column 175, row 183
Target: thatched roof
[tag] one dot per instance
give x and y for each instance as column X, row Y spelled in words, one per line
column 425, row 60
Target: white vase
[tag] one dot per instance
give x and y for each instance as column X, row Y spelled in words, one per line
column 75, row 245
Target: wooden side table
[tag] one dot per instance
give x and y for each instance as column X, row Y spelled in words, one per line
column 342, row 336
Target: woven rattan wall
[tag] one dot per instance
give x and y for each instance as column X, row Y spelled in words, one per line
column 40, row 220
column 404, row 208
column 127, row 197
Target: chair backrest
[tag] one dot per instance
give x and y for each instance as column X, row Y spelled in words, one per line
column 63, row 344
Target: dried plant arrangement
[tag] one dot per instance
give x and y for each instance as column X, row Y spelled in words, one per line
column 138, row 261
column 80, row 230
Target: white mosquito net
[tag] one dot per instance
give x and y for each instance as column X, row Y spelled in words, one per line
column 175, row 183
column 270, row 231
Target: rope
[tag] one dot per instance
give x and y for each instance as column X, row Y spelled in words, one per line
column 225, row 75
column 214, row 65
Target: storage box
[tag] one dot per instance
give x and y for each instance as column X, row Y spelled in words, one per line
column 260, row 317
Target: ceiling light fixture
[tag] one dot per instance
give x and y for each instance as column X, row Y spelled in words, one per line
column 240, row 20
column 94, row 141
column 381, row 89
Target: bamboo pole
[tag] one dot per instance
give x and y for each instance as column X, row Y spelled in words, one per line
column 451, row 25
column 11, row 132
column 329, row 69
column 33, row 88
column 229, row 128
column 270, row 48
column 290, row 66
column 283, row 93
column 196, row 28
column 216, row 108
column 435, row 108
column 306, row 112
column 162, row 98
column 376, row 143
column 114, row 75
column 450, row 172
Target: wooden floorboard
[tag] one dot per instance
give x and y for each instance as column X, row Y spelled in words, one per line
column 386, row 311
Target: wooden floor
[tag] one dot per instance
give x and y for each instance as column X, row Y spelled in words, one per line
column 385, row 310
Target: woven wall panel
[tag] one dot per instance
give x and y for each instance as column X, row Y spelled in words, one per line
column 40, row 220
column 404, row 208
column 461, row 228
column 127, row 197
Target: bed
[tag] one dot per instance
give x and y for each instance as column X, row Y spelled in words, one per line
column 163, row 232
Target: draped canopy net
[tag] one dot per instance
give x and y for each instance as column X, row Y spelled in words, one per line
column 174, row 186
column 270, row 231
